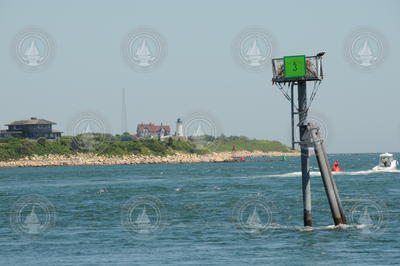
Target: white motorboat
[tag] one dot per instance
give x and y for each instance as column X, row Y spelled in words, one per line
column 386, row 163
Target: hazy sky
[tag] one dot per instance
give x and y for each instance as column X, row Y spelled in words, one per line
column 199, row 72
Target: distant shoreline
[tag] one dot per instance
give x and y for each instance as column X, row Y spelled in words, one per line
column 93, row 159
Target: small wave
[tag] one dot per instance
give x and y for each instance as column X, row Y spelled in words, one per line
column 317, row 228
column 317, row 173
column 294, row 174
column 365, row 172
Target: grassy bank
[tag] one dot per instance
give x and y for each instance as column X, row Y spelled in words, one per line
column 108, row 145
column 223, row 143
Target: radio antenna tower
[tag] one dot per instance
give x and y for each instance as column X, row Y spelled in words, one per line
column 123, row 113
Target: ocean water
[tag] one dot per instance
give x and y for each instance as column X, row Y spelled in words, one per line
column 219, row 214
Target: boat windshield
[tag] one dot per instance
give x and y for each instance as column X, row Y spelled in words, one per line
column 385, row 161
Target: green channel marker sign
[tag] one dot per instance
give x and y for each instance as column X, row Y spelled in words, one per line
column 295, row 66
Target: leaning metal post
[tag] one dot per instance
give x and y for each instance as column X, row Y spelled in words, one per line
column 305, row 171
column 344, row 220
column 329, row 183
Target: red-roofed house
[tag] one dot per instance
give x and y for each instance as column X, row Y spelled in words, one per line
column 152, row 131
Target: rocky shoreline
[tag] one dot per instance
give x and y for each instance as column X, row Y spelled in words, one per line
column 93, row 159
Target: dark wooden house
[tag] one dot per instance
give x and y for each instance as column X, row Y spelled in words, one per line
column 33, row 129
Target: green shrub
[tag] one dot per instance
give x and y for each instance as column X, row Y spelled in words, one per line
column 41, row 141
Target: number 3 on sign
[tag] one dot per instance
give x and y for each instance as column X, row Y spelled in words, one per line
column 294, row 66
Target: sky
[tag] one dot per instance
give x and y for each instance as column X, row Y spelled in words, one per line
column 200, row 70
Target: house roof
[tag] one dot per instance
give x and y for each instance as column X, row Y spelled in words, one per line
column 32, row 121
column 153, row 128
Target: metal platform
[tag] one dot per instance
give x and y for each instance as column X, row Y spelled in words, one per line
column 309, row 70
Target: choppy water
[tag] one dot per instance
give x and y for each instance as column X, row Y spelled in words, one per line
column 219, row 214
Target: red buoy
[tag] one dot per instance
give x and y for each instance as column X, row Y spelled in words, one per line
column 336, row 167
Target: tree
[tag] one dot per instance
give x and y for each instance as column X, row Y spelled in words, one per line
column 126, row 137
column 170, row 142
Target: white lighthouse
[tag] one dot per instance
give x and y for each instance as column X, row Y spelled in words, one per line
column 179, row 128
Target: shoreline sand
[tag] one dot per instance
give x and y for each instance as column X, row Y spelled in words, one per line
column 92, row 159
